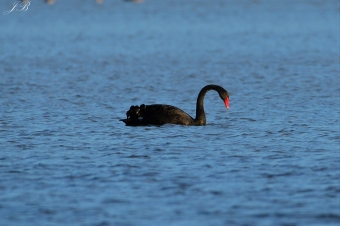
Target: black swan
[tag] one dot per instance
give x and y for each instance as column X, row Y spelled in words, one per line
column 159, row 114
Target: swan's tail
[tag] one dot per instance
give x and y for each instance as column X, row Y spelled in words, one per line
column 134, row 116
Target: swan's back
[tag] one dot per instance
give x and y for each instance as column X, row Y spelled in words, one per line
column 157, row 114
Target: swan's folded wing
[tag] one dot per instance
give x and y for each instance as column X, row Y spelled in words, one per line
column 159, row 114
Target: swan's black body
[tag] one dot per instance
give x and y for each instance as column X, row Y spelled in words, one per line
column 159, row 114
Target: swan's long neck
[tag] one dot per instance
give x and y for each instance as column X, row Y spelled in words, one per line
column 200, row 114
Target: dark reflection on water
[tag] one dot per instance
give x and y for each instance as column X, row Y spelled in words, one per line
column 69, row 72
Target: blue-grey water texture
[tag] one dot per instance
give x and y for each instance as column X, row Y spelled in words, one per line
column 69, row 71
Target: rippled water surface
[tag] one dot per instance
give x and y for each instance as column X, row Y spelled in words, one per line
column 70, row 71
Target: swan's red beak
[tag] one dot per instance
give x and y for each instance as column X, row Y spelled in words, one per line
column 226, row 102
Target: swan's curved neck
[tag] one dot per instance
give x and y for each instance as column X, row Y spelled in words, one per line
column 200, row 114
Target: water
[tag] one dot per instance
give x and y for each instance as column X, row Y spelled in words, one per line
column 70, row 71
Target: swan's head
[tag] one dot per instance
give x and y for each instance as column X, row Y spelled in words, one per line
column 225, row 97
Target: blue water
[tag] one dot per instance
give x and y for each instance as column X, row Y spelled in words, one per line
column 70, row 71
